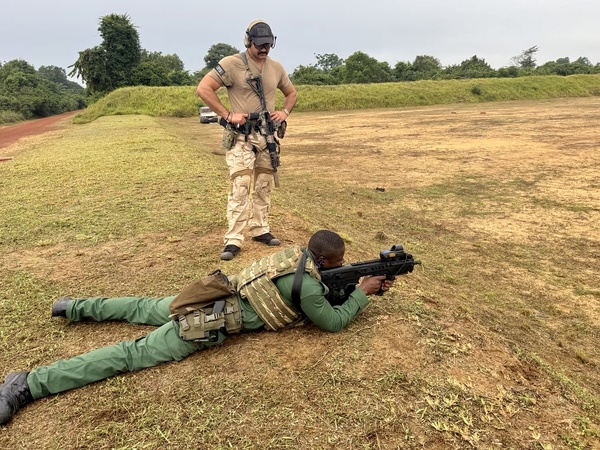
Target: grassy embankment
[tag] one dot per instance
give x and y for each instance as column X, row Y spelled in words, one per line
column 181, row 101
column 492, row 343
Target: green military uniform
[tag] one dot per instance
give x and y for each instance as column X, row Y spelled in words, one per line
column 164, row 343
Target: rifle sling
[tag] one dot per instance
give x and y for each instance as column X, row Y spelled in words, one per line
column 297, row 284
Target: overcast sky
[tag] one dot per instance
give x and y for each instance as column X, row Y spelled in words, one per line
column 53, row 32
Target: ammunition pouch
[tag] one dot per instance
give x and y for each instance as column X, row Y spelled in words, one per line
column 230, row 135
column 208, row 305
column 202, row 322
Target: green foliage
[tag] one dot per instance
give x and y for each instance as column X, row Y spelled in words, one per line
column 111, row 64
column 526, row 60
column 156, row 69
column 426, row 67
column 121, row 42
column 217, row 52
column 329, row 70
column 563, row 66
column 312, row 75
column 361, row 68
column 328, row 62
column 508, row 72
column 26, row 93
column 8, row 117
column 470, row 68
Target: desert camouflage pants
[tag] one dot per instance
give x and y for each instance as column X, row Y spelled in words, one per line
column 248, row 170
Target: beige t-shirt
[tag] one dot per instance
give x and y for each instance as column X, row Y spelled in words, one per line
column 231, row 72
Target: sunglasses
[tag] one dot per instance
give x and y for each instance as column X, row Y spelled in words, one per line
column 262, row 46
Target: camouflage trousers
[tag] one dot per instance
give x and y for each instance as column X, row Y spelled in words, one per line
column 251, row 175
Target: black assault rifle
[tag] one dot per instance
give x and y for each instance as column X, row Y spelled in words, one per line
column 265, row 123
column 341, row 281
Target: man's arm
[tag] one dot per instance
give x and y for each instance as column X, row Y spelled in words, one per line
column 291, row 96
column 207, row 91
column 319, row 311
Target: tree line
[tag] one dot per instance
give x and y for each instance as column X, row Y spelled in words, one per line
column 361, row 68
column 120, row 61
column 26, row 92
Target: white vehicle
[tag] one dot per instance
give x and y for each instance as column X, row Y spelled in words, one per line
column 207, row 115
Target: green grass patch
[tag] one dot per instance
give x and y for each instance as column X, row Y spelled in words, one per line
column 121, row 177
column 181, row 101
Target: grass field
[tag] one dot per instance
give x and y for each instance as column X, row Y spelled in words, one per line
column 491, row 343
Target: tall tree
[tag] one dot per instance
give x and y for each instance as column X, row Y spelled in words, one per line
column 426, row 67
column 121, row 42
column 362, row 68
column 156, row 69
column 403, row 71
column 111, row 64
column 328, row 62
column 526, row 60
column 217, row 52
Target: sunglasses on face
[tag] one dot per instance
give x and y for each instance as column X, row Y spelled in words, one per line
column 262, row 46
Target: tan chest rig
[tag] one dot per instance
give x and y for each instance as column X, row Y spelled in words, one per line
column 256, row 284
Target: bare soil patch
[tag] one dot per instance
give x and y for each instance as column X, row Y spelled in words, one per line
column 492, row 343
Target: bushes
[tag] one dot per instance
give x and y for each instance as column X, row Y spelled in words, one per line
column 26, row 93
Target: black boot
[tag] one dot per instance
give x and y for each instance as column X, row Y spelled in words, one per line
column 14, row 394
column 59, row 307
column 267, row 238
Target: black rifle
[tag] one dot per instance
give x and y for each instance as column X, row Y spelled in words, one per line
column 342, row 281
column 266, row 125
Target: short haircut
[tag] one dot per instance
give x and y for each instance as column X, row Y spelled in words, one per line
column 326, row 243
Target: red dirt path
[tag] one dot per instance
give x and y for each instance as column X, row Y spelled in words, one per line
column 13, row 133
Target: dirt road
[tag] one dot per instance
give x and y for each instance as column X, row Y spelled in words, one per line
column 13, row 133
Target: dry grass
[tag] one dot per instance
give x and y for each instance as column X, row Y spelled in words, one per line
column 492, row 343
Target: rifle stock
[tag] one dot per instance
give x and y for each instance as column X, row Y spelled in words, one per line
column 342, row 281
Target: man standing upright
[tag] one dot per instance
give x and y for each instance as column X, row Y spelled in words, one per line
column 248, row 157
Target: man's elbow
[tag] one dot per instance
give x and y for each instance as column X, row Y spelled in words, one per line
column 204, row 88
column 200, row 91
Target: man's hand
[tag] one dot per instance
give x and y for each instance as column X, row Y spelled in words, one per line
column 372, row 285
column 278, row 116
column 238, row 118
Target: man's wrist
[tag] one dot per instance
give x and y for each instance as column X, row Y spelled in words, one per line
column 286, row 111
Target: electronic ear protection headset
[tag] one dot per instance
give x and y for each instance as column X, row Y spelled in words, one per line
column 265, row 31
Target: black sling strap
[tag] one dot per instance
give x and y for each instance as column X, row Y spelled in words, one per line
column 297, row 284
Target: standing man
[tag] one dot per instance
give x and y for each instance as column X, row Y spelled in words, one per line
column 247, row 157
